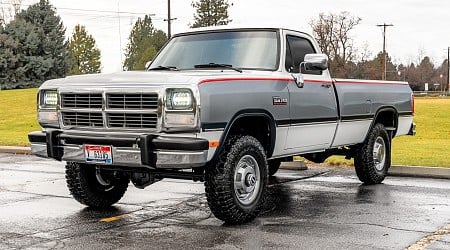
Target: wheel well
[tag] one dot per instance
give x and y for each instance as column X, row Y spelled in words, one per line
column 389, row 118
column 259, row 127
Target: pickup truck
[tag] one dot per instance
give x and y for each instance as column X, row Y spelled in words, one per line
column 223, row 106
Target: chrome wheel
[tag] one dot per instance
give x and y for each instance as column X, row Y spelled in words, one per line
column 247, row 180
column 379, row 153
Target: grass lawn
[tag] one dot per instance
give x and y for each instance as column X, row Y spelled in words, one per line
column 430, row 147
column 18, row 116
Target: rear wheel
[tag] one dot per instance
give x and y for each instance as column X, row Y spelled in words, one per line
column 373, row 157
column 236, row 185
column 93, row 187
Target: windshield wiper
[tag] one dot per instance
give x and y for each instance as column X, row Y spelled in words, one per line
column 160, row 67
column 216, row 65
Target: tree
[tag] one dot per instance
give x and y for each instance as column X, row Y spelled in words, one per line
column 52, row 46
column 211, row 13
column 144, row 42
column 33, row 48
column 425, row 71
column 84, row 54
column 20, row 56
column 332, row 32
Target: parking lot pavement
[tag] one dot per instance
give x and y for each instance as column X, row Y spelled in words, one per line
column 313, row 209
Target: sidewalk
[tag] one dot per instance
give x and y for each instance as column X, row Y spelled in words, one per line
column 406, row 171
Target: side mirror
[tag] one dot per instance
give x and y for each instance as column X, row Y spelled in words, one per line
column 316, row 62
column 147, row 64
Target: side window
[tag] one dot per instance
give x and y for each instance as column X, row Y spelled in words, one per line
column 296, row 49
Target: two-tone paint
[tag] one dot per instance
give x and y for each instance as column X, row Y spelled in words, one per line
column 323, row 114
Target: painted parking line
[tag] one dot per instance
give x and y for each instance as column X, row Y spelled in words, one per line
column 429, row 239
column 111, row 219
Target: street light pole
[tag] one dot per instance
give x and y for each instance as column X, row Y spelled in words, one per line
column 383, row 64
column 448, row 69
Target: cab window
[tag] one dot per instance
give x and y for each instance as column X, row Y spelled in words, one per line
column 296, row 49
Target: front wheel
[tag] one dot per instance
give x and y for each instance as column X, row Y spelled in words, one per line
column 236, row 185
column 93, row 187
column 373, row 157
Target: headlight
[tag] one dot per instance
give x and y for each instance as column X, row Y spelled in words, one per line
column 49, row 99
column 180, row 109
column 179, row 99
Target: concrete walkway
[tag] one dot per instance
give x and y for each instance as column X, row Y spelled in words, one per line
column 407, row 171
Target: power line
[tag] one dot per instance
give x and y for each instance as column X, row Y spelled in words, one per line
column 89, row 10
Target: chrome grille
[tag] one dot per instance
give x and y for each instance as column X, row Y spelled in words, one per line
column 82, row 119
column 126, row 120
column 82, row 100
column 110, row 110
column 132, row 101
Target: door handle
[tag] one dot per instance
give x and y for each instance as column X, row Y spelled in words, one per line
column 326, row 85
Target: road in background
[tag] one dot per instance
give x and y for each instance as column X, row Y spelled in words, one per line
column 320, row 208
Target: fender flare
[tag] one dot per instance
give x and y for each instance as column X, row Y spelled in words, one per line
column 381, row 110
column 248, row 113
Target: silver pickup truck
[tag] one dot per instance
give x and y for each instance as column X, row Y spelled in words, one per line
column 222, row 106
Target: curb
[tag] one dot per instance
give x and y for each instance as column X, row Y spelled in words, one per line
column 403, row 171
column 294, row 165
column 15, row 150
column 423, row 172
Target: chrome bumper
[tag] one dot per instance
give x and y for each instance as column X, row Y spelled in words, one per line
column 151, row 157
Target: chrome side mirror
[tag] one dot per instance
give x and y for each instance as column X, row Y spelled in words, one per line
column 315, row 62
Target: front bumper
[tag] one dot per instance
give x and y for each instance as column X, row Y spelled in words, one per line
column 145, row 150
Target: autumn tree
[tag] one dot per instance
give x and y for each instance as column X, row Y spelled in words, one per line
column 210, row 13
column 332, row 32
column 84, row 54
column 144, row 42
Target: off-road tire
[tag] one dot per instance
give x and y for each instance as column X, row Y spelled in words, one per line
column 219, row 181
column 365, row 163
column 85, row 188
column 274, row 165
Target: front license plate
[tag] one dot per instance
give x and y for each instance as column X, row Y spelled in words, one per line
column 98, row 154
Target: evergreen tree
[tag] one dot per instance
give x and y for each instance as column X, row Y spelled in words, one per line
column 33, row 48
column 84, row 54
column 18, row 56
column 144, row 42
column 50, row 30
column 211, row 13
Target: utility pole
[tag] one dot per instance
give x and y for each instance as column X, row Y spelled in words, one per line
column 120, row 36
column 169, row 21
column 448, row 69
column 383, row 64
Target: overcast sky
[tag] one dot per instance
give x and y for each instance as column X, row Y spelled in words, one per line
column 420, row 28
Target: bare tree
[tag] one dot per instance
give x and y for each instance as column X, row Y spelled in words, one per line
column 9, row 10
column 332, row 33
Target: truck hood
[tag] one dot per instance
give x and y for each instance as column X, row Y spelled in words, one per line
column 135, row 79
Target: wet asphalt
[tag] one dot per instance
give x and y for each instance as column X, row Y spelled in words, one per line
column 320, row 208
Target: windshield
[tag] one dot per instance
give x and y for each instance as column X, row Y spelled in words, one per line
column 238, row 49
